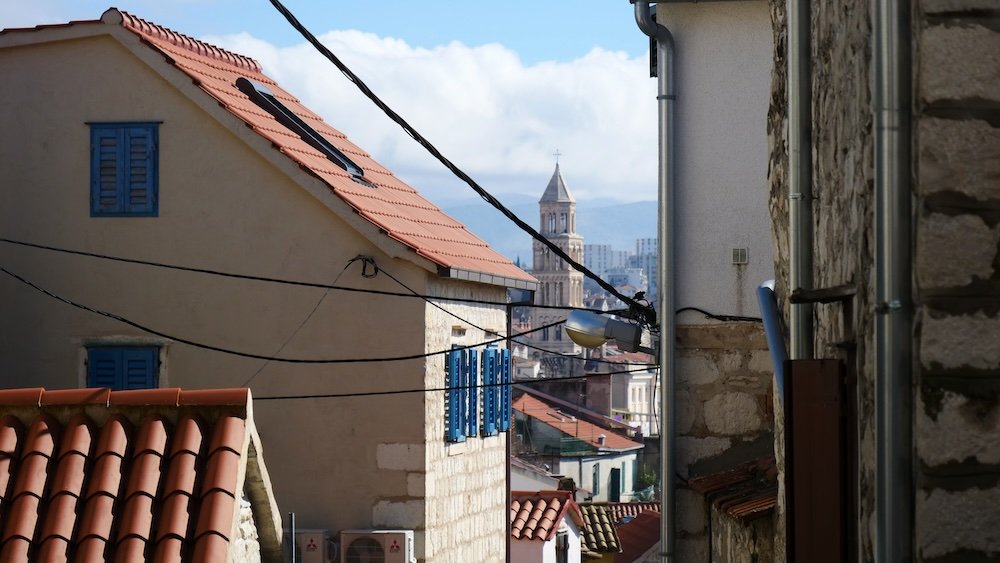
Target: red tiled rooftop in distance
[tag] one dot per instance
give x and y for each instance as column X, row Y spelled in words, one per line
column 638, row 536
column 391, row 205
column 571, row 426
column 535, row 515
column 92, row 486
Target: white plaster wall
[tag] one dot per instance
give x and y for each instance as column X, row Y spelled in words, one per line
column 723, row 74
column 582, row 472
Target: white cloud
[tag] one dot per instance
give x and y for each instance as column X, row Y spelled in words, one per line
column 490, row 114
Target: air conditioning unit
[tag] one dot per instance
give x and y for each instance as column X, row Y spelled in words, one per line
column 376, row 546
column 313, row 546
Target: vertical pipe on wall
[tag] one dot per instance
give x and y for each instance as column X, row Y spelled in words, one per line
column 894, row 310
column 666, row 97
column 800, row 217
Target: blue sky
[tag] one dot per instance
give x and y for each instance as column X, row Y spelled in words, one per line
column 537, row 30
column 498, row 87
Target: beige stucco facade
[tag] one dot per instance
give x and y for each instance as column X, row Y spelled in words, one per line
column 229, row 202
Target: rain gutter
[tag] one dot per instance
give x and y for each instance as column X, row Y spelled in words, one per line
column 666, row 98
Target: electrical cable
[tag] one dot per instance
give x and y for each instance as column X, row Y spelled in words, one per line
column 378, row 269
column 645, row 311
column 430, row 389
column 303, row 323
column 271, row 280
column 213, row 348
column 725, row 318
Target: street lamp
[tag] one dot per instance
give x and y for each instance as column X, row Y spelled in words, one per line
column 591, row 330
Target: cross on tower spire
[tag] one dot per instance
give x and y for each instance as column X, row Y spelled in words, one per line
column 557, row 154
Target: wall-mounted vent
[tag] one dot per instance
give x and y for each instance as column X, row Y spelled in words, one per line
column 741, row 255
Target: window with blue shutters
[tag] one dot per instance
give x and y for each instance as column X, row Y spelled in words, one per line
column 454, row 396
column 123, row 367
column 124, row 171
column 477, row 393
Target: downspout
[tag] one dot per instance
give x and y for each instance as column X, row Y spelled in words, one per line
column 800, row 217
column 666, row 97
column 775, row 336
column 894, row 309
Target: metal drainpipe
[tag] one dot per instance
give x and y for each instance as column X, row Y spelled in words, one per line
column 800, row 217
column 666, row 97
column 894, row 310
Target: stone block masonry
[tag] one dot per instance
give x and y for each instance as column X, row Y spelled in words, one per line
column 957, row 279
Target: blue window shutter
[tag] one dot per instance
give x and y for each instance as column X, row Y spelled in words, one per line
column 140, row 185
column 505, row 390
column 123, row 367
column 463, row 392
column 104, row 368
column 473, row 420
column 453, row 410
column 140, row 367
column 106, row 170
column 490, row 392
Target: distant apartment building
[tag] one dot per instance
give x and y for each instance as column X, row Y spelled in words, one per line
column 599, row 258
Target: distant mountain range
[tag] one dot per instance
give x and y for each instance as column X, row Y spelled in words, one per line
column 598, row 221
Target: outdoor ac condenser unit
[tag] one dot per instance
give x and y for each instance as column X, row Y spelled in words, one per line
column 313, row 546
column 376, row 546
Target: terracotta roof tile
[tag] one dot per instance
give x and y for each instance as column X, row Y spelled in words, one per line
column 600, row 534
column 570, row 425
column 748, row 491
column 394, row 207
column 536, row 515
column 639, row 536
column 124, row 485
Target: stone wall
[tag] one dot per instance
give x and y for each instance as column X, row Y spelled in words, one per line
column 735, row 541
column 956, row 218
column 245, row 547
column 957, row 281
column 461, row 487
column 724, row 415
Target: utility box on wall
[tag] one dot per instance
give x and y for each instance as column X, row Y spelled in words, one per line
column 313, row 546
column 816, row 458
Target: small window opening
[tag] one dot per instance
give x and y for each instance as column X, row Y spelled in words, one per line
column 263, row 97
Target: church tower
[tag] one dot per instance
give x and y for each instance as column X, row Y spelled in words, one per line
column 559, row 284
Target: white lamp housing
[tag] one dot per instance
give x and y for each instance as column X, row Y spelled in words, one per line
column 591, row 330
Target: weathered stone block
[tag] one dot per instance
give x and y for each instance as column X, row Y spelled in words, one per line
column 957, row 429
column 686, row 412
column 947, row 522
column 953, row 251
column 959, row 63
column 939, row 6
column 961, row 341
column 961, row 156
column 692, row 450
column 691, row 514
column 732, row 414
column 760, row 362
column 407, row 514
column 696, row 369
column 401, row 457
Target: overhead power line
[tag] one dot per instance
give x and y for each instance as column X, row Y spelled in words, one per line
column 430, row 389
column 220, row 349
column 642, row 309
column 265, row 279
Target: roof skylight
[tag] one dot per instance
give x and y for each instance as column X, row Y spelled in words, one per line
column 264, row 98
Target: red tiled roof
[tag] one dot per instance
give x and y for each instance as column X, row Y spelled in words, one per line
column 151, row 475
column 535, row 515
column 572, row 426
column 638, row 536
column 391, row 205
column 748, row 491
column 619, row 510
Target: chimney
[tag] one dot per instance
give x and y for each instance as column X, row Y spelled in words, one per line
column 600, row 440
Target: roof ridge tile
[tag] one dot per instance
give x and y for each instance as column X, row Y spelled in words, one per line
column 143, row 27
